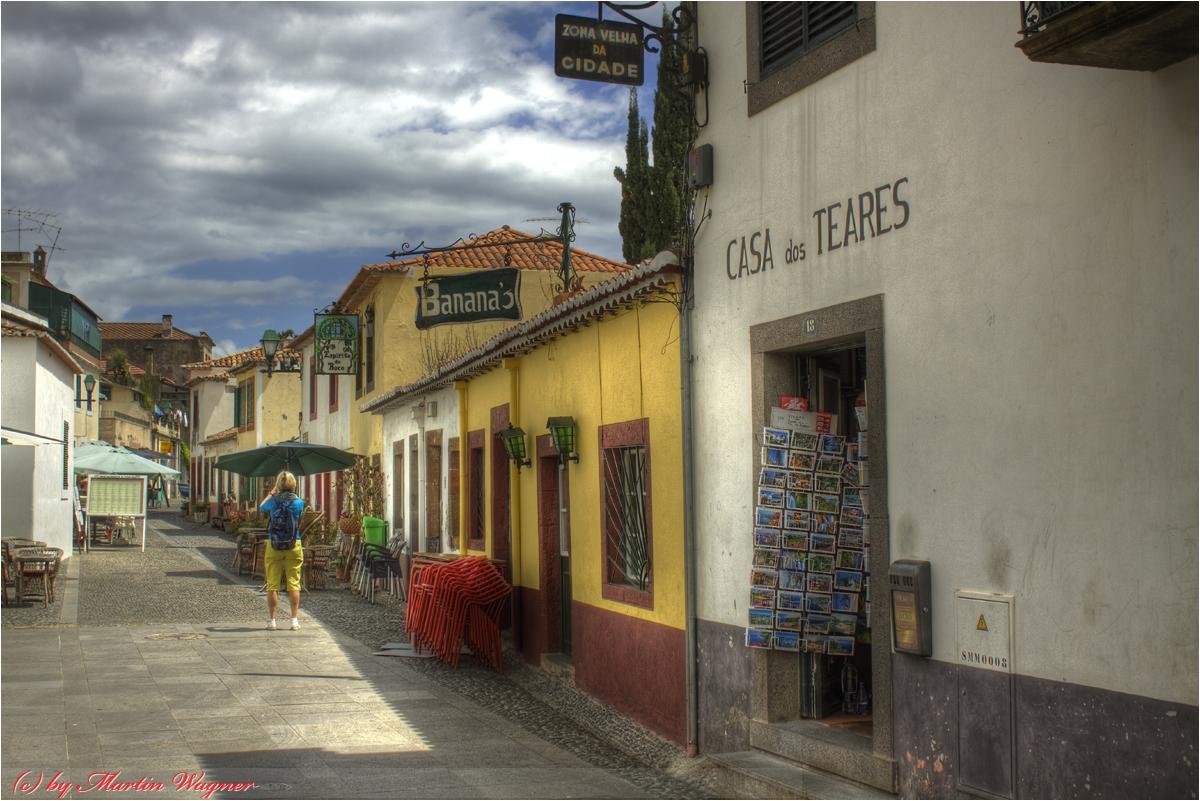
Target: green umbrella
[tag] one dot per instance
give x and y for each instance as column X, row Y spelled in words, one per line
column 301, row 458
column 97, row 459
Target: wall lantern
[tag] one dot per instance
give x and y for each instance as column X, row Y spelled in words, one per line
column 514, row 445
column 562, row 432
column 89, row 384
column 270, row 344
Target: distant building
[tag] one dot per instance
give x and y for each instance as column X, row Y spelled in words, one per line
column 160, row 347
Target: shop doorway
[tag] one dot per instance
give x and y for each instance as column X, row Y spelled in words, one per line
column 553, row 546
column 829, row 705
column 398, row 490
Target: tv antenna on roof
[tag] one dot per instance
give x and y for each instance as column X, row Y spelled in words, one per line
column 43, row 222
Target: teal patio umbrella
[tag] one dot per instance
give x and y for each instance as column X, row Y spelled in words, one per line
column 109, row 460
column 301, row 458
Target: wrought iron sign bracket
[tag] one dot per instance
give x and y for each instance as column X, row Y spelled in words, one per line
column 565, row 235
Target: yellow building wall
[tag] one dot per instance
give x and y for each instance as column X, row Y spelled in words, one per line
column 620, row 369
column 401, row 347
column 280, row 407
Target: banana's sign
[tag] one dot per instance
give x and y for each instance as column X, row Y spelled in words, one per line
column 470, row 298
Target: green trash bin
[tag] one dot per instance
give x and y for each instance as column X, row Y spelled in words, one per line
column 374, row 530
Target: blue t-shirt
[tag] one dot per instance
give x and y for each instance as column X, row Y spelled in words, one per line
column 268, row 506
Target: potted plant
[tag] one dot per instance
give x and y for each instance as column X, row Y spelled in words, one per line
column 200, row 511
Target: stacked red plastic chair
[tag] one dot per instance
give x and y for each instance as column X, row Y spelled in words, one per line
column 420, row 597
column 462, row 601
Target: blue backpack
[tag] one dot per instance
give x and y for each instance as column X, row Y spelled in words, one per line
column 282, row 526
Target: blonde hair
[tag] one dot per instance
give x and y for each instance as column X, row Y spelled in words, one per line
column 285, row 482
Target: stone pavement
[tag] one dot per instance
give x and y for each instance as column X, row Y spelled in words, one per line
column 169, row 674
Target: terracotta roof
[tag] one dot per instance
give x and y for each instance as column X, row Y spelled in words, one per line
column 121, row 331
column 220, row 435
column 229, row 359
column 477, row 254
column 13, row 326
column 222, row 376
column 605, row 298
column 133, row 368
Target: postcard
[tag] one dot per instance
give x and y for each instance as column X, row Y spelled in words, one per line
column 766, row 557
column 862, row 446
column 799, row 500
column 846, row 602
column 827, row 483
column 791, row 580
column 840, row 646
column 826, row 463
column 795, row 540
column 801, row 460
column 848, row 559
column 818, row 624
column 854, row 475
column 852, row 496
column 847, row 580
column 789, row 621
column 776, row 437
column 831, row 443
column 818, row 603
column 766, row 538
column 843, row 624
column 851, row 451
column 762, row 618
column 798, row 480
column 787, row 641
column 821, row 543
column 775, row 457
column 862, row 474
column 804, row 441
column 791, row 560
column 762, row 597
column 768, row 517
column 758, row 638
column 820, row 563
column 764, row 577
column 772, row 477
column 852, row 515
column 824, row 503
column 819, row 582
column 791, row 600
column 815, row 645
column 797, row 520
column 769, row 496
column 850, row 537
column 824, row 523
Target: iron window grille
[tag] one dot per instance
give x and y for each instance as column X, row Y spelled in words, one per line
column 626, row 525
column 789, row 30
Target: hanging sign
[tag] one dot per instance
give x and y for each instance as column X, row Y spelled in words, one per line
column 470, row 298
column 336, row 338
column 596, row 50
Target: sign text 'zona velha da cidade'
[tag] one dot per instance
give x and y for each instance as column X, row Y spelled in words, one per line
column 470, row 298
column 597, row 50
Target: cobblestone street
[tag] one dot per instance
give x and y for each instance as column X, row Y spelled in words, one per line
column 157, row 664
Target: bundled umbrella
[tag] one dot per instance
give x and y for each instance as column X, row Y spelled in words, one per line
column 300, row 458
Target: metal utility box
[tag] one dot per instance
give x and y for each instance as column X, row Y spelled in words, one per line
column 912, row 619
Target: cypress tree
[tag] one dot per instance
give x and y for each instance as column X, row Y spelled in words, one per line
column 636, row 208
column 671, row 139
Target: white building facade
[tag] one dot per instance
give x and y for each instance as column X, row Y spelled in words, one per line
column 38, row 386
column 998, row 257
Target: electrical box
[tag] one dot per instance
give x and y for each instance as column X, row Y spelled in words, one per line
column 700, row 166
column 912, row 621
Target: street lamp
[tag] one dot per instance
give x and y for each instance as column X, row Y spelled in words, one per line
column 514, row 445
column 89, row 383
column 562, row 432
column 270, row 345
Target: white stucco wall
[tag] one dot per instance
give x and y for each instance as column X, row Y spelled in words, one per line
column 1040, row 326
column 330, row 428
column 398, row 426
column 38, row 396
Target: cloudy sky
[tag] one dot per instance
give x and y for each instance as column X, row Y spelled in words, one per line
column 233, row 165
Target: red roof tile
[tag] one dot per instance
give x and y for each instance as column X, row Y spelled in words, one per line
column 229, row 360
column 120, row 331
column 220, row 435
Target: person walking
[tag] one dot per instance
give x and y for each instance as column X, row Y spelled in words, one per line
column 285, row 555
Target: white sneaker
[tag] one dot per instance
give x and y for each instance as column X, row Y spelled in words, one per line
column 295, row 624
column 271, row 624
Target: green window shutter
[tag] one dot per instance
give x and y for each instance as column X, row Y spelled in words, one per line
column 237, row 408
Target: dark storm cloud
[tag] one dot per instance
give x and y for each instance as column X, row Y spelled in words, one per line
column 167, row 134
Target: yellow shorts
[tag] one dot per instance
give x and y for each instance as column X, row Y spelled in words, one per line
column 284, row 563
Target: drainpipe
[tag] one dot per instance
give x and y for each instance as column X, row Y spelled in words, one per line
column 463, row 447
column 689, row 526
column 514, row 414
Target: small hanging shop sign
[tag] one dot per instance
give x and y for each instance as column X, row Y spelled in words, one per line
column 336, row 338
column 470, row 298
column 598, row 50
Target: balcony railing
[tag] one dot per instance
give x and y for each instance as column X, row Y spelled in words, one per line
column 1036, row 16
